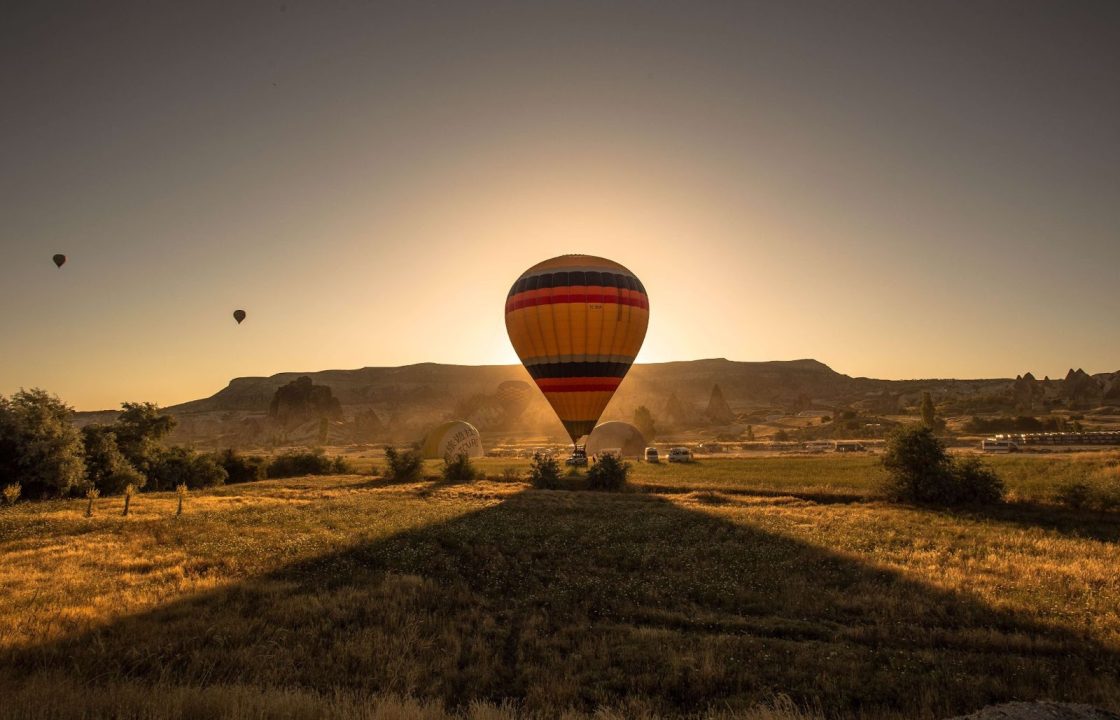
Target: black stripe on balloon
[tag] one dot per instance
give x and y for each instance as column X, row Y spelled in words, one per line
column 578, row 428
column 567, row 278
column 578, row 370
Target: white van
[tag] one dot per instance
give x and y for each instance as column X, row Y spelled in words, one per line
column 652, row 456
column 680, row 454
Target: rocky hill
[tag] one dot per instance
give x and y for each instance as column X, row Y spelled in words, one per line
column 397, row 403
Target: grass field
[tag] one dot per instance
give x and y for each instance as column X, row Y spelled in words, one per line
column 762, row 588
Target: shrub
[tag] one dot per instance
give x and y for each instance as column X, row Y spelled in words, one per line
column 919, row 470
column 92, row 494
column 609, row 473
column 544, row 472
column 510, row 475
column 11, row 493
column 458, row 469
column 976, row 483
column 1103, row 494
column 405, row 466
column 314, row 462
column 1076, row 495
column 181, row 466
column 241, row 468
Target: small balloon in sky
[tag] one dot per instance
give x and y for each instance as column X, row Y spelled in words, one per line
column 59, row 260
column 238, row 315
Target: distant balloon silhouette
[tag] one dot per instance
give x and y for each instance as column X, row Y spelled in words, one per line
column 59, row 260
column 238, row 315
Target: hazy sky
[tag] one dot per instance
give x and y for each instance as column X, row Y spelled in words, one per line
column 896, row 189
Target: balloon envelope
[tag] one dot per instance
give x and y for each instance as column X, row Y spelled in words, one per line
column 59, row 260
column 577, row 323
column 238, row 315
column 450, row 440
column 514, row 396
column 621, row 436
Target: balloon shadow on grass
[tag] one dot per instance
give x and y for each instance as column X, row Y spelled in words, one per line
column 576, row 600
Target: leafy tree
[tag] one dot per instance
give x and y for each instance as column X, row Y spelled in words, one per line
column 608, row 473
column 39, row 448
column 107, row 469
column 139, row 430
column 180, row 466
column 929, row 412
column 643, row 420
column 919, row 470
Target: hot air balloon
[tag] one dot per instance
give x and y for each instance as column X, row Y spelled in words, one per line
column 59, row 260
column 238, row 315
column 577, row 323
column 514, row 397
column 615, row 435
column 450, row 440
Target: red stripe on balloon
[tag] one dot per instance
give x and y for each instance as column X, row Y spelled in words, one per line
column 524, row 300
column 578, row 384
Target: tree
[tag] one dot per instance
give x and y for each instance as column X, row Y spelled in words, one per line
column 919, row 470
column 107, row 469
column 643, row 420
column 139, row 429
column 39, row 448
column 929, row 412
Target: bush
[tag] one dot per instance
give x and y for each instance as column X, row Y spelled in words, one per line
column 39, row 448
column 458, row 469
column 609, row 473
column 977, row 483
column 405, row 466
column 544, row 472
column 181, row 466
column 241, row 468
column 314, row 462
column 1076, row 495
column 1103, row 495
column 510, row 475
column 919, row 470
column 11, row 493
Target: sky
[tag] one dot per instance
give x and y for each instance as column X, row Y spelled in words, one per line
column 897, row 189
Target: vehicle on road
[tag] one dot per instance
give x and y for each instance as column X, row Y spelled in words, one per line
column 652, row 456
column 578, row 458
column 992, row 445
column 680, row 454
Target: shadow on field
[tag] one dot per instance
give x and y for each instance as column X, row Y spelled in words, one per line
column 564, row 599
column 1083, row 523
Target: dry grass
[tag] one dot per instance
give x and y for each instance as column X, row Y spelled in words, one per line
column 348, row 597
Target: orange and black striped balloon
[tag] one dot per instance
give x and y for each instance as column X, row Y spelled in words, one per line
column 577, row 323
